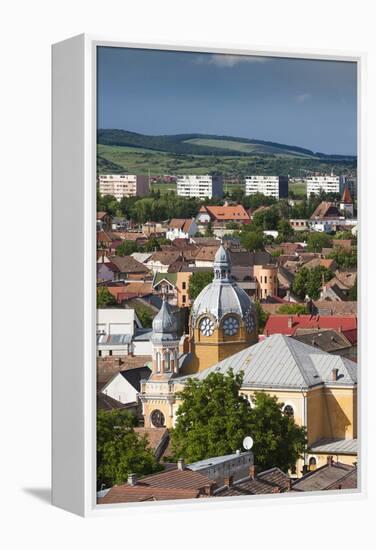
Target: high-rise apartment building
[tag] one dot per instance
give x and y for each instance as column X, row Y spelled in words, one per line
column 271, row 186
column 328, row 184
column 123, row 185
column 199, row 186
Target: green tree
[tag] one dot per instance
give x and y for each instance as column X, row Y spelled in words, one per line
column 198, row 281
column 285, row 231
column 209, row 230
column 214, row 418
column 353, row 294
column 252, row 240
column 262, row 316
column 345, row 259
column 292, row 309
column 126, row 248
column 120, row 451
column 105, row 298
column 308, row 282
column 278, row 441
column 317, row 241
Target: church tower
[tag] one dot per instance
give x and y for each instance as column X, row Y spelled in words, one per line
column 346, row 204
column 157, row 395
column 223, row 319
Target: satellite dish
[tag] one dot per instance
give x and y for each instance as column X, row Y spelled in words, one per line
column 248, row 443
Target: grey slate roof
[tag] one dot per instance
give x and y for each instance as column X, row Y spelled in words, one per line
column 212, row 461
column 114, row 339
column 326, row 477
column 280, row 361
column 335, row 446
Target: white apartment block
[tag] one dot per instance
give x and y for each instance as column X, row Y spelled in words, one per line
column 270, row 186
column 199, row 186
column 328, row 184
column 123, row 185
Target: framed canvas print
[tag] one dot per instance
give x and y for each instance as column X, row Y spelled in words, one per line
column 207, row 282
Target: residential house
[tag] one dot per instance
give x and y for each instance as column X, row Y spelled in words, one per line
column 333, row 476
column 160, row 261
column 124, row 386
column 270, row 481
column 130, row 269
column 180, row 483
column 222, row 214
column 181, row 229
column 290, row 324
column 104, row 221
column 106, row 271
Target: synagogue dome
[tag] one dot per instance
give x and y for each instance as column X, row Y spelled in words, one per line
column 222, row 296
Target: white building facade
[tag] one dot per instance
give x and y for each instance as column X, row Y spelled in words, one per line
column 123, row 185
column 270, row 186
column 199, row 186
column 328, row 184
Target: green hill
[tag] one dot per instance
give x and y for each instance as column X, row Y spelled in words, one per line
column 206, row 144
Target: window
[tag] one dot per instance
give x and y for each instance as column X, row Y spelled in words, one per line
column 184, row 285
column 312, row 464
column 288, row 411
column 184, row 298
column 167, row 361
column 158, row 361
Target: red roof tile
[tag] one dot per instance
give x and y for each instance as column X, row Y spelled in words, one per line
column 288, row 324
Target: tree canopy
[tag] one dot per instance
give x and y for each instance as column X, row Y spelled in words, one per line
column 214, row 418
column 120, row 450
column 317, row 241
column 308, row 282
column 105, row 298
column 198, row 281
column 292, row 309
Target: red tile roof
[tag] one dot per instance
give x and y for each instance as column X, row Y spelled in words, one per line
column 226, row 213
column 182, row 224
column 279, row 324
column 346, row 197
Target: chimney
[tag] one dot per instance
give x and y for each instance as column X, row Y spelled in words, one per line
column 289, row 322
column 334, row 375
column 330, row 461
column 305, row 469
column 252, row 471
column 228, row 481
column 181, row 464
column 237, row 452
column 132, row 479
column 208, row 489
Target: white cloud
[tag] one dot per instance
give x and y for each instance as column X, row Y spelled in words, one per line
column 301, row 98
column 227, row 60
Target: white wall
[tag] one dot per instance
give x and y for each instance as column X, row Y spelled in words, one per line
column 120, row 389
column 116, row 321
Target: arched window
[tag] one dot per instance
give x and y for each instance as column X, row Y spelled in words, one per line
column 158, row 361
column 312, row 464
column 167, row 361
column 288, row 411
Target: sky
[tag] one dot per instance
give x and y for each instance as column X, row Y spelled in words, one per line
column 308, row 103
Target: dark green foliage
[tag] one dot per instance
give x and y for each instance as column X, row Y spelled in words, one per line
column 120, row 451
column 214, row 418
column 317, row 241
column 198, row 281
column 308, row 282
column 285, row 231
column 292, row 309
column 345, row 259
column 353, row 294
column 262, row 317
column 105, row 298
column 252, row 240
column 126, row 248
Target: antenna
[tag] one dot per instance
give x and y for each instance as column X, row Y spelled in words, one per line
column 248, row 443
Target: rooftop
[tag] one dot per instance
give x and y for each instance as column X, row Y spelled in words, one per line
column 283, row 362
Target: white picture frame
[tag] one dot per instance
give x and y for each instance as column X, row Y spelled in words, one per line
column 74, row 284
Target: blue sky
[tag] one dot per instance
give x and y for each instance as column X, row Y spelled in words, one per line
column 298, row 102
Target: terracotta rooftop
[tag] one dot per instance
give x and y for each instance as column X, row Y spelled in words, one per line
column 270, row 481
column 183, row 224
column 226, row 213
column 346, row 196
column 331, row 476
column 127, row 264
column 326, row 210
column 289, row 324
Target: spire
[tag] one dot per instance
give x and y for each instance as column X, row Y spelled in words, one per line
column 164, row 322
column 346, row 197
column 222, row 264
